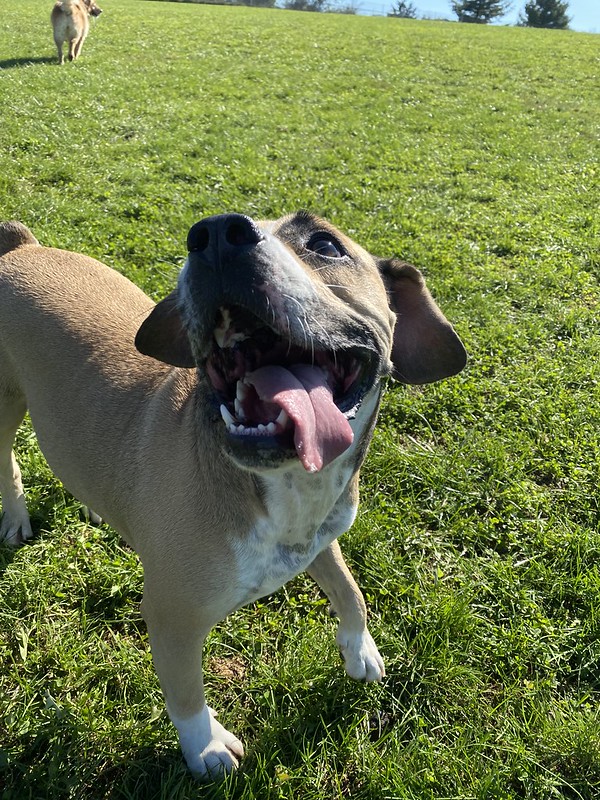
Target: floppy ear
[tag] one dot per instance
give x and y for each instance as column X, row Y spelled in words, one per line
column 425, row 346
column 163, row 336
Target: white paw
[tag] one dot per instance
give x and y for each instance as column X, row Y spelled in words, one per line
column 90, row 516
column 15, row 528
column 361, row 656
column 209, row 749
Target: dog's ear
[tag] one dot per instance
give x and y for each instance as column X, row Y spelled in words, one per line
column 163, row 336
column 425, row 346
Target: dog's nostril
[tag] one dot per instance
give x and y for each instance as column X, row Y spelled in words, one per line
column 242, row 231
column 222, row 231
column 198, row 237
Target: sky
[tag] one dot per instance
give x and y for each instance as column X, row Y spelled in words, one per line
column 585, row 14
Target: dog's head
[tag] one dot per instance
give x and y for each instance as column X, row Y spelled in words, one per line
column 292, row 326
column 92, row 9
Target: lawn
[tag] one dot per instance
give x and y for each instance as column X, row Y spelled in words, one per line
column 470, row 151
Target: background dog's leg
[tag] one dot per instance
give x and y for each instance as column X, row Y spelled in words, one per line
column 176, row 637
column 72, row 49
column 15, row 527
column 78, row 46
column 361, row 656
column 59, row 46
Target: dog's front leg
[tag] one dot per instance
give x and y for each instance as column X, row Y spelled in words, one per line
column 15, row 527
column 361, row 656
column 176, row 638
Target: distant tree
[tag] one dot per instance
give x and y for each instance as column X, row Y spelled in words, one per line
column 545, row 14
column 403, row 9
column 482, row 11
column 306, row 5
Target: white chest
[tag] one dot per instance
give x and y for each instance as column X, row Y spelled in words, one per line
column 305, row 514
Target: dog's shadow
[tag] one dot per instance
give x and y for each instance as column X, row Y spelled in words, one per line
column 12, row 63
column 7, row 554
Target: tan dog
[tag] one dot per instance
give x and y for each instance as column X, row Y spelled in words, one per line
column 225, row 444
column 70, row 23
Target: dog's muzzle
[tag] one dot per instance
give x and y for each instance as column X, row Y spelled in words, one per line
column 285, row 386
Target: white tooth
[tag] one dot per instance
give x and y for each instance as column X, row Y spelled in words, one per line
column 232, row 428
column 228, row 418
column 282, row 419
column 262, row 429
column 271, row 428
column 241, row 391
column 239, row 410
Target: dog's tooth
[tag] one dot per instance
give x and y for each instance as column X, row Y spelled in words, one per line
column 262, row 428
column 239, row 409
column 271, row 428
column 241, row 391
column 282, row 419
column 228, row 418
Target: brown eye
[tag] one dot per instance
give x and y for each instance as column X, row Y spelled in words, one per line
column 325, row 246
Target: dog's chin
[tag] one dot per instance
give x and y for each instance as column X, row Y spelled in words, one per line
column 261, row 453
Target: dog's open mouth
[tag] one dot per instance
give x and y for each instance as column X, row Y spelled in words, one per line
column 271, row 390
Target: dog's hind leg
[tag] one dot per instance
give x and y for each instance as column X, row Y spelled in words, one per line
column 72, row 48
column 77, row 47
column 15, row 527
column 361, row 656
column 177, row 634
column 59, row 48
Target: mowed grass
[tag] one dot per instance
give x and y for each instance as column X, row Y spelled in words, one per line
column 473, row 153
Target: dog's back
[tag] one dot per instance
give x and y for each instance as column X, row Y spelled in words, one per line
column 14, row 234
column 70, row 23
column 69, row 20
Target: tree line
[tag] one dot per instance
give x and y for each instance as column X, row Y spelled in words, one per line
column 536, row 14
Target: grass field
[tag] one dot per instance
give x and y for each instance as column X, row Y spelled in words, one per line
column 470, row 151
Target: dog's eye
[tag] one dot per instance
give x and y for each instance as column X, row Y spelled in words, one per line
column 325, row 245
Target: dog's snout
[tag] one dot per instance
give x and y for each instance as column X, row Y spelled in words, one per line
column 216, row 235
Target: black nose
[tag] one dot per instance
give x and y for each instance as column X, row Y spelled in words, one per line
column 214, row 236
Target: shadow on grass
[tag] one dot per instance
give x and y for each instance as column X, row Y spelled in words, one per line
column 66, row 757
column 11, row 63
column 7, row 553
column 57, row 761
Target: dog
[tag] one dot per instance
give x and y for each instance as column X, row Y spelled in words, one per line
column 70, row 23
column 220, row 431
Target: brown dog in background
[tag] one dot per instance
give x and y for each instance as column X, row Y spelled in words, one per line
column 70, row 22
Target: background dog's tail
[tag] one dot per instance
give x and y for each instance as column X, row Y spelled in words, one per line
column 13, row 234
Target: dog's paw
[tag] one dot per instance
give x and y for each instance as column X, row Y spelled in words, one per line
column 91, row 517
column 15, row 528
column 362, row 658
column 210, row 751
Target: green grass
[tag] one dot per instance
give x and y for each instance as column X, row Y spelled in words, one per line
column 473, row 153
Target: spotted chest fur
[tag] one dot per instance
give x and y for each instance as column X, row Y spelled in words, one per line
column 305, row 514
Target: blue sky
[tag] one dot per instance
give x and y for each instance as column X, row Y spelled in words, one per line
column 585, row 14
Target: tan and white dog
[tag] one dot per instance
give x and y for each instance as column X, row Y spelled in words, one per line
column 221, row 431
column 70, row 23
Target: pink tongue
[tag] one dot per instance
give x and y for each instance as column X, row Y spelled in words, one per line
column 321, row 431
